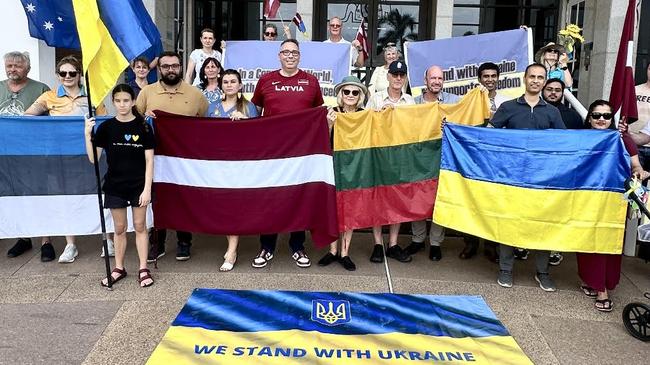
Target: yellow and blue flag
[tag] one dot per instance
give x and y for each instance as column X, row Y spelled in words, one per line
column 287, row 327
column 548, row 190
column 110, row 34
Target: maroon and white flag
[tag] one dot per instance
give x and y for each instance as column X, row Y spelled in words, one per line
column 362, row 37
column 623, row 95
column 264, row 175
column 271, row 8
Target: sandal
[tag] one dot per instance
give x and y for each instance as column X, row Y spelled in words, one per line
column 121, row 274
column 145, row 277
column 227, row 265
column 589, row 291
column 604, row 305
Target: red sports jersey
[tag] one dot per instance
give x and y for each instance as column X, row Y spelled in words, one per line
column 279, row 94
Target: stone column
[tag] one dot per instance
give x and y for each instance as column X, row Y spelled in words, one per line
column 443, row 14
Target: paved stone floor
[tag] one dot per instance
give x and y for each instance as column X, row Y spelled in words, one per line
column 52, row 313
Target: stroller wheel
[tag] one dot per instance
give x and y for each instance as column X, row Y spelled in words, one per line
column 636, row 318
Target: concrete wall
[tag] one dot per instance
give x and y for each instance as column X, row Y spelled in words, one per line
column 442, row 16
column 13, row 27
column 603, row 26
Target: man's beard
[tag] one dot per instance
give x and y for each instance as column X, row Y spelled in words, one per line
column 170, row 81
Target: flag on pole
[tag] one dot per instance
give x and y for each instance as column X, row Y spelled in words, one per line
column 623, row 95
column 114, row 33
column 271, row 8
column 362, row 37
column 267, row 175
column 52, row 21
column 297, row 20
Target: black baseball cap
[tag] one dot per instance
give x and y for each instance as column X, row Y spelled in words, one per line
column 397, row 67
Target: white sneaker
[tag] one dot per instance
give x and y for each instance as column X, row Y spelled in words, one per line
column 111, row 248
column 69, row 253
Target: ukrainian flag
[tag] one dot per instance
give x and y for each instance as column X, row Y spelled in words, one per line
column 287, row 327
column 111, row 34
column 548, row 190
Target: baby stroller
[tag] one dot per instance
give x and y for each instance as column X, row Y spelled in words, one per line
column 636, row 316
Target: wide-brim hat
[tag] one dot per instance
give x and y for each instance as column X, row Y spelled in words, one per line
column 548, row 47
column 351, row 80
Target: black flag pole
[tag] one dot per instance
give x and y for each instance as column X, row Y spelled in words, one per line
column 107, row 259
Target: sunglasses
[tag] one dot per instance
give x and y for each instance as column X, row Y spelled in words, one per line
column 347, row 92
column 270, row 34
column 335, row 25
column 68, row 73
column 606, row 116
column 554, row 51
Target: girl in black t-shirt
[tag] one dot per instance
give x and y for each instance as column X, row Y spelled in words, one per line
column 128, row 142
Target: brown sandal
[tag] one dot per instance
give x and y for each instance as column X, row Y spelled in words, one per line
column 121, row 275
column 145, row 277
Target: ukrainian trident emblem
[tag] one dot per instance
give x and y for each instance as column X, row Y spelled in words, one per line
column 330, row 312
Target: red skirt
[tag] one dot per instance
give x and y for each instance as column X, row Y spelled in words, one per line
column 599, row 271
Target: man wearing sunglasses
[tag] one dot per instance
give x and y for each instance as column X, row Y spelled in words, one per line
column 335, row 26
column 173, row 95
column 285, row 90
column 529, row 111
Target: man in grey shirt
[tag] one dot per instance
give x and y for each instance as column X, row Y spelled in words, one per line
column 17, row 93
column 434, row 82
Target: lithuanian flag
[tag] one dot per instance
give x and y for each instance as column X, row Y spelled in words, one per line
column 387, row 163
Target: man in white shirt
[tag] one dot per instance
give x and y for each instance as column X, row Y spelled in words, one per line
column 334, row 27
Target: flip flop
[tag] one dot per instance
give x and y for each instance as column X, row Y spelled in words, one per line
column 606, row 305
column 121, row 275
column 589, row 291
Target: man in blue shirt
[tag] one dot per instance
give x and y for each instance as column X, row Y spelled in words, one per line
column 529, row 111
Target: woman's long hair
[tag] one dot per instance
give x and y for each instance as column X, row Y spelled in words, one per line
column 242, row 102
column 125, row 88
column 599, row 102
column 204, row 78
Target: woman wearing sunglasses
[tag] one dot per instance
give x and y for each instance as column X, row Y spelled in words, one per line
column 554, row 58
column 351, row 95
column 600, row 273
column 68, row 99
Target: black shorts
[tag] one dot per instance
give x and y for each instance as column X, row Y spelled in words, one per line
column 115, row 202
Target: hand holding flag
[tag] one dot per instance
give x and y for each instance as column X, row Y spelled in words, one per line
column 300, row 25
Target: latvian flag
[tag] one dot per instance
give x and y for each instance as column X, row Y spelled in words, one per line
column 259, row 176
column 47, row 183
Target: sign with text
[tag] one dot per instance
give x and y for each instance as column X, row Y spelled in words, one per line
column 328, row 62
column 284, row 327
column 460, row 57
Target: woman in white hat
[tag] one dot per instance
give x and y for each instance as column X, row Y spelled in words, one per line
column 351, row 95
column 554, row 58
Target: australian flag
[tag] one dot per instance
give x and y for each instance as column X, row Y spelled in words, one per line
column 52, row 21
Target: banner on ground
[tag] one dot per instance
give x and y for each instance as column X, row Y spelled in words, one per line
column 47, row 183
column 328, row 62
column 557, row 190
column 387, row 162
column 283, row 327
column 511, row 50
column 263, row 175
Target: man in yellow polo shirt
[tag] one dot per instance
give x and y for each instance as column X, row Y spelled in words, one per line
column 173, row 95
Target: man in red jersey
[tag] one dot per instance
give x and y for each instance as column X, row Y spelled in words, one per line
column 284, row 90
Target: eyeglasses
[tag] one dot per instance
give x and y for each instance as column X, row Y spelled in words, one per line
column 399, row 74
column 287, row 53
column 175, row 66
column 270, row 34
column 554, row 51
column 606, row 116
column 68, row 73
column 335, row 25
column 347, row 92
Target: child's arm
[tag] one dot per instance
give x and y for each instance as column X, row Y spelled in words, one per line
column 88, row 130
column 145, row 197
